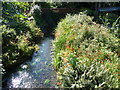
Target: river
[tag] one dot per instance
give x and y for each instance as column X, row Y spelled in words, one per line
column 38, row 72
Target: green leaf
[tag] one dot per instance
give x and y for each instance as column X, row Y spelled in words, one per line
column 46, row 81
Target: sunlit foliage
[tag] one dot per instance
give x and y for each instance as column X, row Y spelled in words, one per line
column 86, row 54
column 19, row 34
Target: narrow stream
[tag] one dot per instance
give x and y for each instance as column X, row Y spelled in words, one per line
column 37, row 73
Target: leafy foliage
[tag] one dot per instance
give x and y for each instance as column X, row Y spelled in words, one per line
column 86, row 54
column 112, row 21
column 19, row 35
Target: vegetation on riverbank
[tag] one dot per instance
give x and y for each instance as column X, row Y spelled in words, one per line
column 86, row 54
column 19, row 34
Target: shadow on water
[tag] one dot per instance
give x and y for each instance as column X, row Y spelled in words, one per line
column 37, row 73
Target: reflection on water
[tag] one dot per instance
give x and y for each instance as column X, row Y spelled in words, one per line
column 37, row 73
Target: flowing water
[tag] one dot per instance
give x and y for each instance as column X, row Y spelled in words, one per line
column 37, row 73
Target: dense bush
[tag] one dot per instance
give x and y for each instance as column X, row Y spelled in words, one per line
column 19, row 34
column 86, row 54
column 17, row 47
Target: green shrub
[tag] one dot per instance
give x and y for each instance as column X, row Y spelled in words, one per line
column 112, row 21
column 86, row 54
column 35, row 30
column 19, row 35
column 18, row 46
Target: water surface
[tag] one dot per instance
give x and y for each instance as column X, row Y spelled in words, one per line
column 37, row 73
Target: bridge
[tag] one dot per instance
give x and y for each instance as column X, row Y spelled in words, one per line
column 109, row 9
column 59, row 10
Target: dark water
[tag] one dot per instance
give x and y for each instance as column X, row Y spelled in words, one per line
column 37, row 73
